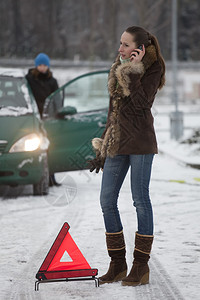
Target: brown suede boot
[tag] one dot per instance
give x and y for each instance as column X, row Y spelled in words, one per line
column 139, row 273
column 116, row 250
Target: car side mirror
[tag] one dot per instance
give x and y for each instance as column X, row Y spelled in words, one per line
column 67, row 110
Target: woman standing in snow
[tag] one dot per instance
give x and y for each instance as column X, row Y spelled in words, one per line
column 42, row 84
column 129, row 140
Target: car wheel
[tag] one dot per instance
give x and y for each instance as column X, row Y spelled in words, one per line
column 42, row 187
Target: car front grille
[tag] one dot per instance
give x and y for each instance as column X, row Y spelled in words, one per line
column 3, row 145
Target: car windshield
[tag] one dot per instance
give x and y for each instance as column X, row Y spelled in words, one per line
column 14, row 96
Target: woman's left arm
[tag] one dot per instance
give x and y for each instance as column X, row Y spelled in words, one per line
column 143, row 89
column 139, row 84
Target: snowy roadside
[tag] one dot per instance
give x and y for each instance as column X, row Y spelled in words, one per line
column 187, row 149
column 189, row 154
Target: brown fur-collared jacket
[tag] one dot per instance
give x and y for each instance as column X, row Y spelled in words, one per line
column 132, row 89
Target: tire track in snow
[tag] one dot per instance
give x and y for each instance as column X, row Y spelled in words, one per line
column 162, row 279
column 161, row 285
column 23, row 287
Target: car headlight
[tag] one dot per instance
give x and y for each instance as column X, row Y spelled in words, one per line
column 30, row 142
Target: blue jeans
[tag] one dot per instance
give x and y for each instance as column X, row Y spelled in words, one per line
column 114, row 172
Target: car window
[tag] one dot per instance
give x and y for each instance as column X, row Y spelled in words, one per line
column 88, row 92
column 53, row 104
column 14, row 95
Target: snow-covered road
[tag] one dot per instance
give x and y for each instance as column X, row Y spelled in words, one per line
column 30, row 224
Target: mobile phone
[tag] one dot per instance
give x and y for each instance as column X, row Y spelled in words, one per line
column 139, row 47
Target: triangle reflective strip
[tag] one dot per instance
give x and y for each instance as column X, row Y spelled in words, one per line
column 66, row 257
column 78, row 260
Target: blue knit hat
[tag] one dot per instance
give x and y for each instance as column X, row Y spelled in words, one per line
column 42, row 59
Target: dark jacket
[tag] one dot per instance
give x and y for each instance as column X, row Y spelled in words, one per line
column 42, row 85
column 132, row 88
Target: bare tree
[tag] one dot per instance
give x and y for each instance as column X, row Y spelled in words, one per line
column 91, row 29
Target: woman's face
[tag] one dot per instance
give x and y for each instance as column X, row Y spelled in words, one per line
column 127, row 45
column 42, row 68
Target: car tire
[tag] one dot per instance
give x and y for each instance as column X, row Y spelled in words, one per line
column 42, row 187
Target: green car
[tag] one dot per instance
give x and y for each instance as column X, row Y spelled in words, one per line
column 31, row 147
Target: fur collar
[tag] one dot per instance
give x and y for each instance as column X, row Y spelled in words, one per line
column 119, row 79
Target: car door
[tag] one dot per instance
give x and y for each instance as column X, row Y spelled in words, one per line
column 73, row 116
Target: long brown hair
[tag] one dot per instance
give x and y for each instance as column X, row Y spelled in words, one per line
column 143, row 37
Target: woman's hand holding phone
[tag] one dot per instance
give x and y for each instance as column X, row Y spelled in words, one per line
column 137, row 54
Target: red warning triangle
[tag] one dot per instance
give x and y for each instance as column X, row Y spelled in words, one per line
column 64, row 259
column 68, row 246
